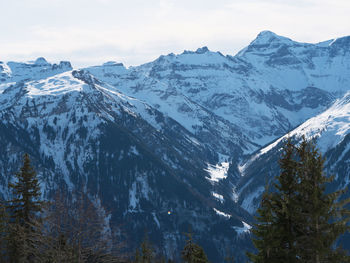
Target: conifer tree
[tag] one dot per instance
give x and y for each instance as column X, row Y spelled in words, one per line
column 137, row 256
column 274, row 233
column 229, row 257
column 322, row 218
column 25, row 207
column 146, row 253
column 3, row 231
column 298, row 221
column 284, row 205
column 193, row 253
column 264, row 236
column 26, row 203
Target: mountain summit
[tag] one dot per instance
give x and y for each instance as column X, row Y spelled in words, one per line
column 267, row 38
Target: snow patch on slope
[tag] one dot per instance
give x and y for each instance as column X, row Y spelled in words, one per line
column 242, row 230
column 249, row 203
column 218, row 197
column 217, row 172
column 220, row 213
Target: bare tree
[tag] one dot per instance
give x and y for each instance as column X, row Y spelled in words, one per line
column 77, row 231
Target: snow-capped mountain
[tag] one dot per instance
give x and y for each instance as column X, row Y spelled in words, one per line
column 183, row 133
column 330, row 129
column 12, row 72
column 84, row 134
column 268, row 88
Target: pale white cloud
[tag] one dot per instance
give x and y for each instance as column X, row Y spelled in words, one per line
column 137, row 31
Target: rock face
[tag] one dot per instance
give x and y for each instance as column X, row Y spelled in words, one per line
column 183, row 134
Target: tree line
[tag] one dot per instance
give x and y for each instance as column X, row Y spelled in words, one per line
column 298, row 221
column 64, row 229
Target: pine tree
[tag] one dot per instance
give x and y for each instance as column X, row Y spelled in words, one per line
column 146, row 253
column 137, row 256
column 266, row 232
column 26, row 203
column 3, row 231
column 193, row 253
column 229, row 258
column 25, row 207
column 274, row 233
column 298, row 221
column 284, row 205
column 322, row 219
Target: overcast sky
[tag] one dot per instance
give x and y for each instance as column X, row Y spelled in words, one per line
column 89, row 32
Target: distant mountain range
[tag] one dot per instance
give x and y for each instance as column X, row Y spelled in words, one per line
column 188, row 133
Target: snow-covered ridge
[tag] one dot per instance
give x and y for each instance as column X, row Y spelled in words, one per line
column 32, row 70
column 50, row 93
column 330, row 127
column 68, row 109
column 232, row 102
column 268, row 88
column 54, row 86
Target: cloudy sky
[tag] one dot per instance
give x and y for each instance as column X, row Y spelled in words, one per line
column 89, row 32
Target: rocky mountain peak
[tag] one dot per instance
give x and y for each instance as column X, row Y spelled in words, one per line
column 202, row 50
column 112, row 64
column 41, row 61
column 65, row 64
column 267, row 37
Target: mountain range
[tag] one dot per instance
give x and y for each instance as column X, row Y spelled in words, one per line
column 185, row 142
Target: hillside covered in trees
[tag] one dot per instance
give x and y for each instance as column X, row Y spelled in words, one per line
column 298, row 221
